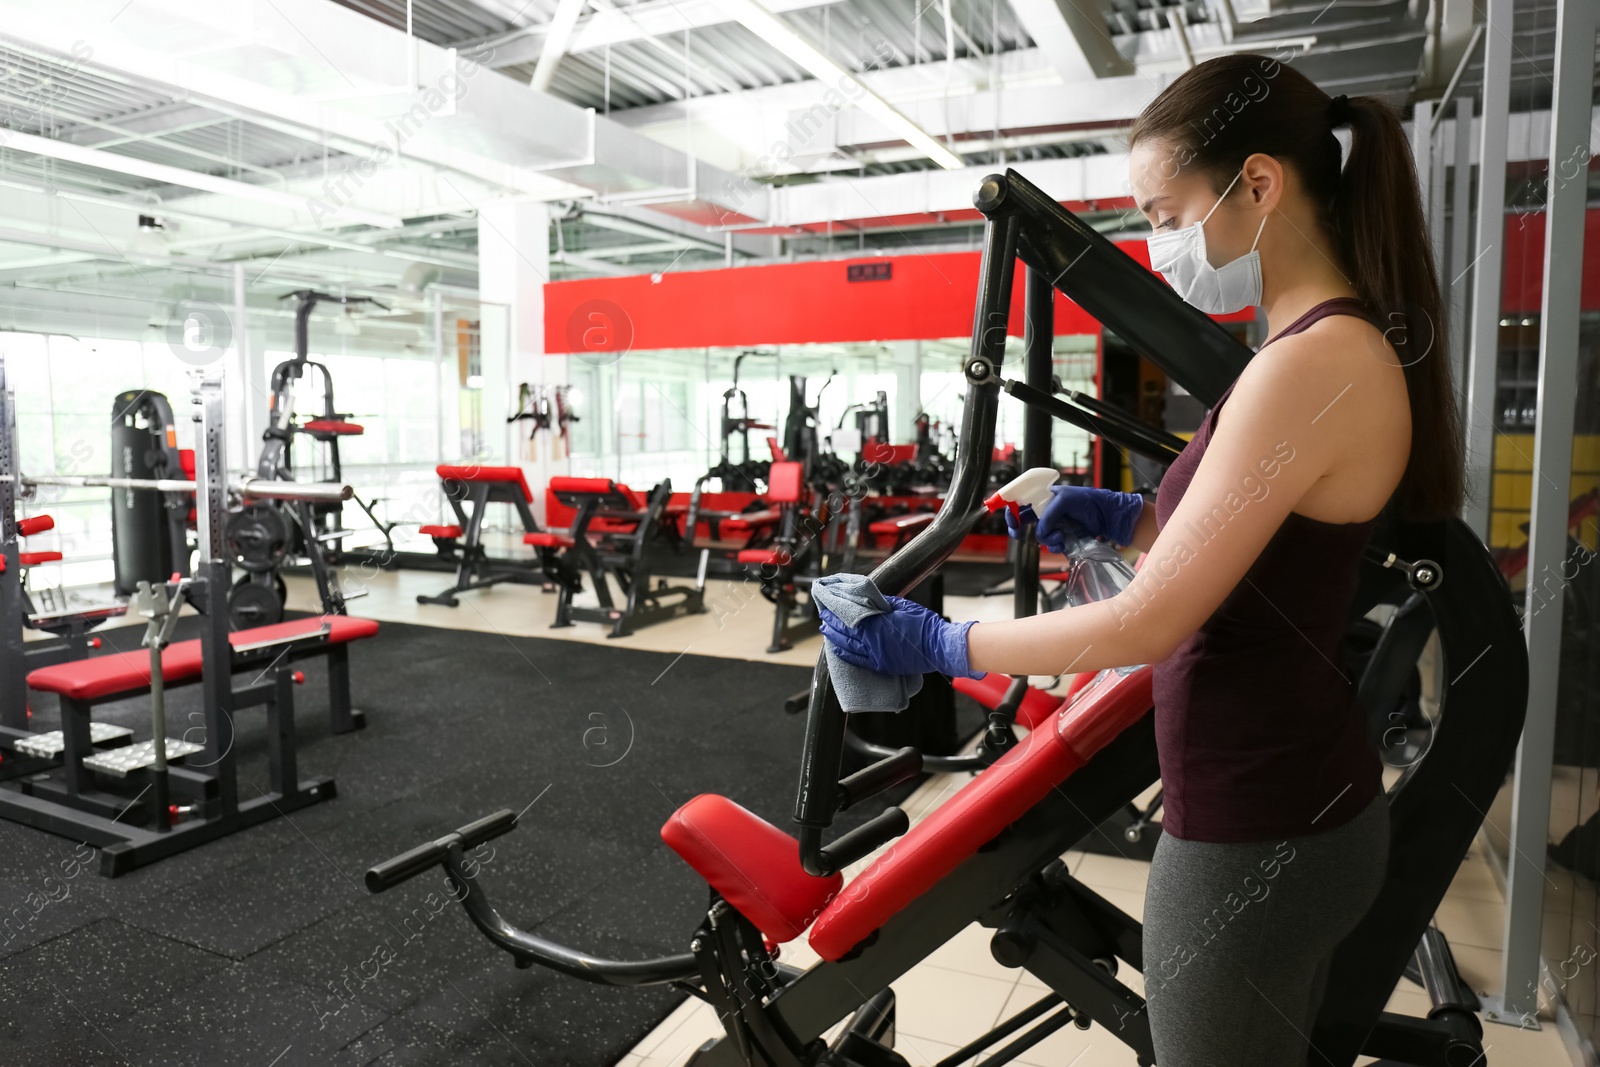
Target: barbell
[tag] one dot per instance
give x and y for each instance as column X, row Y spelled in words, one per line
column 261, row 488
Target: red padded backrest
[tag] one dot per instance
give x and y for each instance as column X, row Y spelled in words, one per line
column 980, row 810
column 461, row 472
column 582, row 485
column 786, row 482
column 753, row 864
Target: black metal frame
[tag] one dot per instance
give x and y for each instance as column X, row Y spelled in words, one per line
column 622, row 557
column 475, row 568
column 1044, row 920
column 76, row 803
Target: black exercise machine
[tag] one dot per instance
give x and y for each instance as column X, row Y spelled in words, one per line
column 263, row 535
column 149, row 531
column 614, row 536
column 469, row 489
column 817, row 533
column 991, row 853
column 86, row 780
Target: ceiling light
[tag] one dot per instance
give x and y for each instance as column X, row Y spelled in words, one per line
column 773, row 30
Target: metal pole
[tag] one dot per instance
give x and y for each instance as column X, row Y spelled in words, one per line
column 1460, row 251
column 1493, row 130
column 1038, row 343
column 1422, row 152
column 1552, row 469
column 13, row 683
column 214, row 574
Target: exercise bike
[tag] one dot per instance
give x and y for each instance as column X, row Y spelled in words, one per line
column 991, row 853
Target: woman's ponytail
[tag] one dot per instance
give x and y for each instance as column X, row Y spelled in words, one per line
column 1222, row 111
column 1377, row 217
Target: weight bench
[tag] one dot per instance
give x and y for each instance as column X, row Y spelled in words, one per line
column 611, row 535
column 477, row 487
column 85, row 750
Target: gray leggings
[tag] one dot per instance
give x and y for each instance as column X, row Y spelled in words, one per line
column 1238, row 937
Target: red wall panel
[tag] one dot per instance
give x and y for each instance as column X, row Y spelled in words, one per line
column 927, row 296
column 1522, row 278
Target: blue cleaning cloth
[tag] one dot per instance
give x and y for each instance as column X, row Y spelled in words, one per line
column 853, row 597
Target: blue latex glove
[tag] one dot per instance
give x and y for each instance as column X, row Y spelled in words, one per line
column 911, row 639
column 1078, row 511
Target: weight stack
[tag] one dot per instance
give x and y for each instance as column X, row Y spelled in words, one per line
column 141, row 549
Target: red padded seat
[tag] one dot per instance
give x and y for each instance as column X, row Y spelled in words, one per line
column 617, row 495
column 336, row 427
column 981, row 810
column 547, row 539
column 35, row 525
column 776, row 557
column 746, row 521
column 462, row 472
column 33, row 559
column 1036, row 706
column 123, row 672
column 440, row 531
column 753, row 864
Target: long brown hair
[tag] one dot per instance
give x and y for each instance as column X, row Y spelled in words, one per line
column 1224, row 110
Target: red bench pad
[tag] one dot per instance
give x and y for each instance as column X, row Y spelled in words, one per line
column 123, row 672
column 447, row 532
column 753, row 864
column 775, row 557
column 901, row 522
column 336, row 427
column 745, row 521
column 32, row 559
column 993, row 800
column 547, row 539
column 468, row 473
column 1036, row 707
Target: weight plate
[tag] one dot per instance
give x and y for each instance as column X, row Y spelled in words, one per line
column 253, row 603
column 258, row 537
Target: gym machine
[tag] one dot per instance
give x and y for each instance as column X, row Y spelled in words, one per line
column 264, row 535
column 149, row 531
column 87, row 781
column 469, row 489
column 991, row 853
column 612, row 538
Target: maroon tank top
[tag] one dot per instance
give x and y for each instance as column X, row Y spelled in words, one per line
column 1257, row 725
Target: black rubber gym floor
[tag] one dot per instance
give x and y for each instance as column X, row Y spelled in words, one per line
column 264, row 948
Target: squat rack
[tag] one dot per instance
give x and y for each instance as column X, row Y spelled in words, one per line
column 79, row 808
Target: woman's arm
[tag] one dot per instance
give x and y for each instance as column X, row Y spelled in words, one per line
column 1286, row 424
column 1144, row 530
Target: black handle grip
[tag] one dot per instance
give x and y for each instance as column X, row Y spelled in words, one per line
column 903, row 766
column 407, row 865
column 866, row 837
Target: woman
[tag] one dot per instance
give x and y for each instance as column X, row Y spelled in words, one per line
column 1276, row 830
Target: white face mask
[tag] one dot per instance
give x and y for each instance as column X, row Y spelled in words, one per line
column 1181, row 259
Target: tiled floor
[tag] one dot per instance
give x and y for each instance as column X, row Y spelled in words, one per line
column 959, row 991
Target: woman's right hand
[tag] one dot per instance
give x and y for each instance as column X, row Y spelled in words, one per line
column 1078, row 511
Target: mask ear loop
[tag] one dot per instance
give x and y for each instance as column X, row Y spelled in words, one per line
column 1263, row 226
column 1223, row 197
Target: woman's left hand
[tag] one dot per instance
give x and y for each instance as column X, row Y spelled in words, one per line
column 911, row 639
